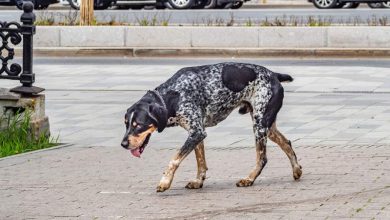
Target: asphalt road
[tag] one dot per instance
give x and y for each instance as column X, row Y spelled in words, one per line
column 218, row 17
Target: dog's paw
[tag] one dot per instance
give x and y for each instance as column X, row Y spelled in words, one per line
column 244, row 183
column 297, row 172
column 162, row 187
column 196, row 184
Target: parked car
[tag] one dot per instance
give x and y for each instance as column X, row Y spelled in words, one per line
column 160, row 4
column 38, row 4
column 327, row 4
column 379, row 5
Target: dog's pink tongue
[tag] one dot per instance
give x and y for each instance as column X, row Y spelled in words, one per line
column 136, row 152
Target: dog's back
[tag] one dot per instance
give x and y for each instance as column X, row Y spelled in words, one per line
column 220, row 88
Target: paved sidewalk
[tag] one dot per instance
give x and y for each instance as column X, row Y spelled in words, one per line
column 337, row 114
column 107, row 183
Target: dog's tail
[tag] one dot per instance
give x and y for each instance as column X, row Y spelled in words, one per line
column 284, row 77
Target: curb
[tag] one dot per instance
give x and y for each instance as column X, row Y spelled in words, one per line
column 208, row 52
column 237, row 41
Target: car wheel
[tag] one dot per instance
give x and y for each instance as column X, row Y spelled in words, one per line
column 374, row 5
column 237, row 5
column 325, row 4
column 211, row 4
column 386, row 4
column 181, row 4
column 352, row 5
column 75, row 4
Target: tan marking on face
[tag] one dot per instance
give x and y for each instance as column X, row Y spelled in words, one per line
column 137, row 141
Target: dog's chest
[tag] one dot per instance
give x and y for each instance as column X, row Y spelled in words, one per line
column 212, row 120
column 172, row 121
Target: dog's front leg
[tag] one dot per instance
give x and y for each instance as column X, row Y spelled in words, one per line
column 202, row 168
column 192, row 141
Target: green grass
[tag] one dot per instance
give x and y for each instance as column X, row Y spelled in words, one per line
column 15, row 137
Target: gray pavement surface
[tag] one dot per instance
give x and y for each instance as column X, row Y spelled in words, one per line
column 336, row 113
column 207, row 17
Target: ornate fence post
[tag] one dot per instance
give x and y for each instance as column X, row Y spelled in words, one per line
column 27, row 78
column 25, row 96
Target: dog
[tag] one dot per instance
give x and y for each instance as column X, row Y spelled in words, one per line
column 199, row 97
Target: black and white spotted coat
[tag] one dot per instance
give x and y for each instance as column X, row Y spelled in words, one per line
column 208, row 94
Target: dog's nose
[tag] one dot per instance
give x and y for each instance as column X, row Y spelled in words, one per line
column 125, row 144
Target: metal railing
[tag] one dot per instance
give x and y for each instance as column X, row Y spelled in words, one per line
column 15, row 33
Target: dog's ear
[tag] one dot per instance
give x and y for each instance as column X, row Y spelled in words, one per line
column 159, row 115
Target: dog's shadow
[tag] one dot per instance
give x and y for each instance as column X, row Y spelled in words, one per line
column 226, row 187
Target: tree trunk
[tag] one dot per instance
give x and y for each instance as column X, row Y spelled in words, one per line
column 86, row 12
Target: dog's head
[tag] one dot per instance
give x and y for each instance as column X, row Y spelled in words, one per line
column 141, row 120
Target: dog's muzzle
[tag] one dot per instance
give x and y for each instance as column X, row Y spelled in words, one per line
column 125, row 144
column 136, row 144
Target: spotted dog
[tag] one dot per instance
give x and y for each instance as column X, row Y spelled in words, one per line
column 202, row 96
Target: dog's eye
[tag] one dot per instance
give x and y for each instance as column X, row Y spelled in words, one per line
column 135, row 125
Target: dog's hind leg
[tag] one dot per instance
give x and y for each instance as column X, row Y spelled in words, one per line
column 261, row 161
column 285, row 144
column 261, row 141
column 202, row 168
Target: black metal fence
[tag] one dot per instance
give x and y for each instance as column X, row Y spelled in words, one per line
column 14, row 33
